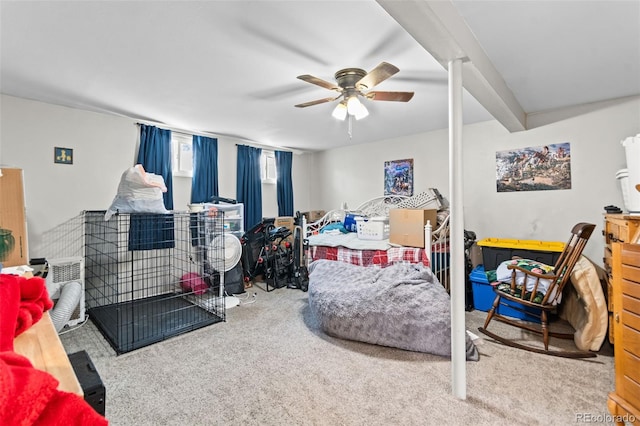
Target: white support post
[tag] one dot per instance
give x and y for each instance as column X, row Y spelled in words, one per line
column 427, row 242
column 457, row 287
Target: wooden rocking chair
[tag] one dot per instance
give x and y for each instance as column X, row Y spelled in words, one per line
column 528, row 295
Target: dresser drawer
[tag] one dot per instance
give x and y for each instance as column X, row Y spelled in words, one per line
column 611, row 329
column 609, row 296
column 630, row 365
column 631, row 304
column 631, row 277
column 630, row 335
column 612, row 233
column 631, row 391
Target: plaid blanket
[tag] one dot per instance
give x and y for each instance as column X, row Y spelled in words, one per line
column 381, row 258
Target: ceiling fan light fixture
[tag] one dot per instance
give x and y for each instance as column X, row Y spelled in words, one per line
column 356, row 108
column 361, row 112
column 353, row 104
column 340, row 111
column 351, row 83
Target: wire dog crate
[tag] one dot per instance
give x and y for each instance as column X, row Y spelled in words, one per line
column 149, row 277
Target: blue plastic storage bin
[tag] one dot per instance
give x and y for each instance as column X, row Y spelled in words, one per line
column 483, row 297
column 509, row 311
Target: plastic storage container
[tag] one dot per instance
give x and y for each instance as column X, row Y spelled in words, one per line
column 233, row 217
column 350, row 223
column 526, row 313
column 497, row 250
column 632, row 152
column 483, row 297
column 630, row 196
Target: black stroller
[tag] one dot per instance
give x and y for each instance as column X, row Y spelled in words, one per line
column 300, row 278
column 265, row 252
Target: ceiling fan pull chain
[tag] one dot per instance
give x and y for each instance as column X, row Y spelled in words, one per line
column 350, row 127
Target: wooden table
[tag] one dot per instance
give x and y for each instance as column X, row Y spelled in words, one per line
column 42, row 346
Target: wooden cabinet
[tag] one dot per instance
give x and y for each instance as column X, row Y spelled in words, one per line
column 617, row 228
column 13, row 220
column 624, row 402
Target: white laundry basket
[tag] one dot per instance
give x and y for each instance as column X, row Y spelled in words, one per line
column 630, row 196
column 632, row 151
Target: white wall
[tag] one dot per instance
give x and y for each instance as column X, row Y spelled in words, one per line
column 104, row 146
column 354, row 174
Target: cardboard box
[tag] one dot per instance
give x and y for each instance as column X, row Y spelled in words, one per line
column 13, row 219
column 287, row 222
column 406, row 226
column 314, row 215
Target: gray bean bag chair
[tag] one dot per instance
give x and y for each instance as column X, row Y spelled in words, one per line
column 401, row 306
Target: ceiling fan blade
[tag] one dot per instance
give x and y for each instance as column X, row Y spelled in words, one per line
column 319, row 82
column 377, row 76
column 316, row 102
column 390, row 96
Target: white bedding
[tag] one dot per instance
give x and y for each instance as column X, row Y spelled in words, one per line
column 349, row 240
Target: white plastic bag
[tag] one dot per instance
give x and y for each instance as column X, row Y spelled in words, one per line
column 138, row 192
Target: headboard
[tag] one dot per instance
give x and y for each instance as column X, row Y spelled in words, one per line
column 378, row 206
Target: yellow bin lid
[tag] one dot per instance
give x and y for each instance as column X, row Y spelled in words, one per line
column 522, row 244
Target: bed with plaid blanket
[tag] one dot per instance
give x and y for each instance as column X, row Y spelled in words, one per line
column 349, row 248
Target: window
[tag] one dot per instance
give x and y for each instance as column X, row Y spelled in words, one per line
column 182, row 154
column 268, row 167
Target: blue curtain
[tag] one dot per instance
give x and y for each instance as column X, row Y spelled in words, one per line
column 153, row 231
column 155, row 156
column 205, row 169
column 249, row 184
column 284, row 184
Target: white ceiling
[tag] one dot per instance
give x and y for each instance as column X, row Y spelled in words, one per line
column 229, row 67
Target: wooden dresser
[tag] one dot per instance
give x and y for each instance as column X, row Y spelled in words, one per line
column 621, row 228
column 624, row 402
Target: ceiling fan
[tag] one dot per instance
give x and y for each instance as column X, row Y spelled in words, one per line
column 352, row 83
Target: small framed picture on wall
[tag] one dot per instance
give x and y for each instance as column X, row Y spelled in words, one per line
column 62, row 155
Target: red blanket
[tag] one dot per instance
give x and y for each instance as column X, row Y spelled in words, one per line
column 29, row 396
column 22, row 303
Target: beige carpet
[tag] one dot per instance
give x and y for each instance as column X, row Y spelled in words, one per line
column 268, row 364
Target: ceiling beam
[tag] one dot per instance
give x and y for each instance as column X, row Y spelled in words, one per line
column 440, row 29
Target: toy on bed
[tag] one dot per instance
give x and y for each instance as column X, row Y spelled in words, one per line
column 402, row 306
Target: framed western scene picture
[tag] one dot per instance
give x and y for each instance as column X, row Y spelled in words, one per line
column 538, row 168
column 398, row 177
